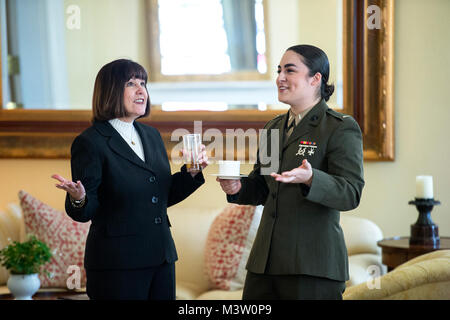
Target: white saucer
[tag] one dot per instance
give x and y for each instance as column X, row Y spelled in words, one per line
column 229, row 177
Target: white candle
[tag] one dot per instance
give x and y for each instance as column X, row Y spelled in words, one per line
column 424, row 187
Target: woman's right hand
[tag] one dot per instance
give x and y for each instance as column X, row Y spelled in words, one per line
column 75, row 190
column 231, row 186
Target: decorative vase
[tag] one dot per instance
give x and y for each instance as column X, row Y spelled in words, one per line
column 23, row 286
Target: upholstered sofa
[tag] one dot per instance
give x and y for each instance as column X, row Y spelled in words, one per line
column 426, row 277
column 191, row 231
column 361, row 236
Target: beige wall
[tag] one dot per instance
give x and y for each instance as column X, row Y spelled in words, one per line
column 292, row 22
column 88, row 49
column 319, row 26
column 422, row 112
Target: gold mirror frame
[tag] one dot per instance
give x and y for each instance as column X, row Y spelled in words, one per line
column 368, row 96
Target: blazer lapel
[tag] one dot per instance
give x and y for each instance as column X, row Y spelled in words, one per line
column 311, row 119
column 146, row 142
column 282, row 133
column 118, row 145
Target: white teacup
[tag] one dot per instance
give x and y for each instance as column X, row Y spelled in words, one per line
column 229, row 168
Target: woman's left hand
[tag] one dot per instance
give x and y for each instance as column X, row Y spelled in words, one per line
column 202, row 160
column 302, row 174
column 76, row 190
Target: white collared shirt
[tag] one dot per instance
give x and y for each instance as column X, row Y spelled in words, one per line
column 129, row 133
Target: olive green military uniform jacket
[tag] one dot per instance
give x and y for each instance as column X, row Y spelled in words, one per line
column 299, row 232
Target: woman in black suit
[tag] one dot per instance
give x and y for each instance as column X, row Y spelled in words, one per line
column 124, row 186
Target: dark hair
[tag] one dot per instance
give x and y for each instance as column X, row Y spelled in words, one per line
column 107, row 100
column 317, row 61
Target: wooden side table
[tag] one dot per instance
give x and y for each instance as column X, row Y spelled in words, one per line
column 397, row 250
column 51, row 295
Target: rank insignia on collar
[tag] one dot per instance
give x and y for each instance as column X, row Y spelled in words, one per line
column 306, row 146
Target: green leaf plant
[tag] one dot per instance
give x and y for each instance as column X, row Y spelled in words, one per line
column 25, row 257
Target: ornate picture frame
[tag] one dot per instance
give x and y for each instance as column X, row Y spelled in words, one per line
column 368, row 97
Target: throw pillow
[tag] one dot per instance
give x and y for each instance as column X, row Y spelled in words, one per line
column 65, row 237
column 228, row 245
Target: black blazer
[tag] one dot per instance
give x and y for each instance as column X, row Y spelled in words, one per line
column 126, row 198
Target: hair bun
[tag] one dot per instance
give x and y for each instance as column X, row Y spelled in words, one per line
column 327, row 91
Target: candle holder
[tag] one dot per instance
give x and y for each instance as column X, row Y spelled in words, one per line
column 424, row 232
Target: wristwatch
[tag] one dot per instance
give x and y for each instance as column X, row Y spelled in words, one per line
column 77, row 203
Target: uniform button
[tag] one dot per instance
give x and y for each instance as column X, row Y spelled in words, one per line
column 154, row 199
column 274, row 195
column 158, row 220
column 152, row 179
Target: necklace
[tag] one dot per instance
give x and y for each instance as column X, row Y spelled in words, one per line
column 131, row 126
column 125, row 129
column 131, row 136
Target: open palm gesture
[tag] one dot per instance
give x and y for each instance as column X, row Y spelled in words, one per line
column 76, row 190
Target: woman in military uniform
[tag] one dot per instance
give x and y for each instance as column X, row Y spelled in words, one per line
column 299, row 251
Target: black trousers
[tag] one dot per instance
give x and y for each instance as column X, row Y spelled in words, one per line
column 291, row 287
column 154, row 283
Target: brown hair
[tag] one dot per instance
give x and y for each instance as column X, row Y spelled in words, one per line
column 107, row 100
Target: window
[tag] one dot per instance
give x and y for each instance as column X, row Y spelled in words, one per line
column 208, row 40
